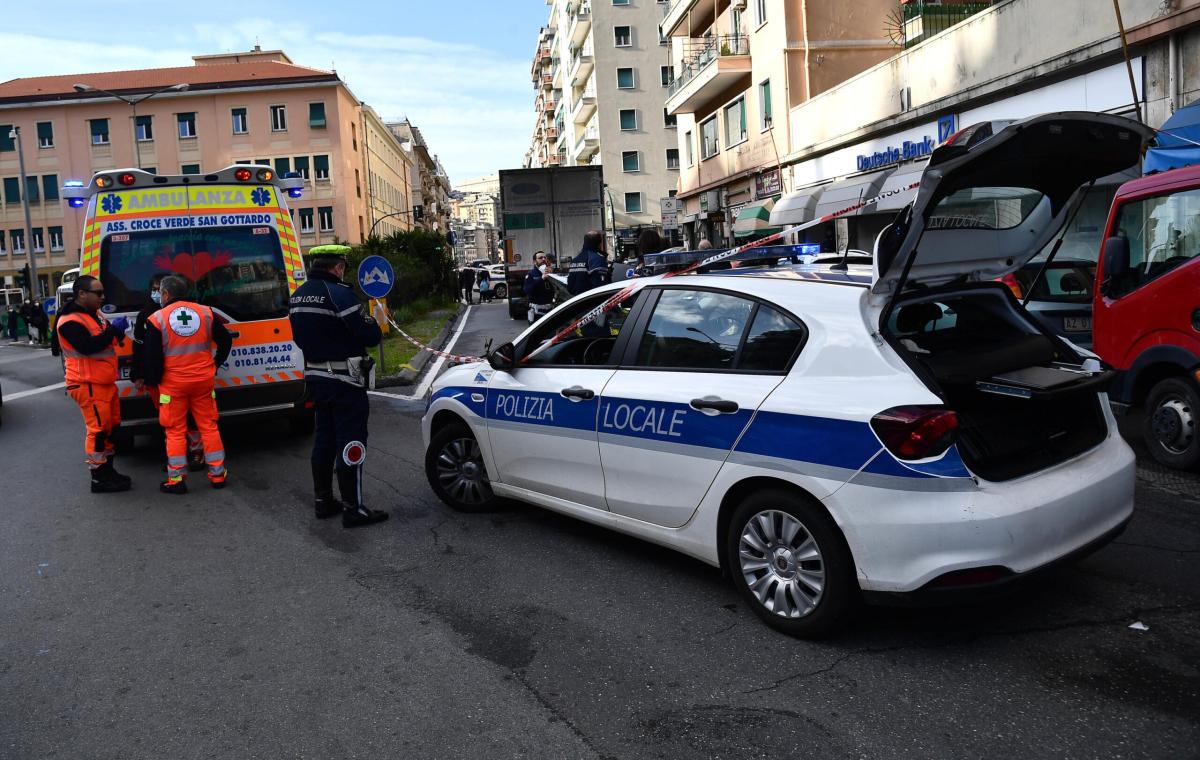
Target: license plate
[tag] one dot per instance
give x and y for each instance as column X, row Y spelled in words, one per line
column 1077, row 324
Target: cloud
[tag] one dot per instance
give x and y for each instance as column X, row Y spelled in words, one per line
column 473, row 105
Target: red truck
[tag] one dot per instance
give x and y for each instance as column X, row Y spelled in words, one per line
column 1146, row 309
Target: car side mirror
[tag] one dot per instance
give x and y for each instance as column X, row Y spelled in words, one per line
column 1116, row 259
column 503, row 358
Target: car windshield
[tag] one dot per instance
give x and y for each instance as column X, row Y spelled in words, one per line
column 238, row 270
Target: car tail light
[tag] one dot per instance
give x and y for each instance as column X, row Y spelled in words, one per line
column 1011, row 281
column 127, row 179
column 242, row 175
column 916, row 432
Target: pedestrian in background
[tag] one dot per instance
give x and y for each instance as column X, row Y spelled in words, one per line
column 180, row 338
column 705, row 245
column 538, row 289
column 589, row 269
column 14, row 323
column 466, row 281
column 485, row 285
column 334, row 332
column 87, row 343
column 42, row 323
column 27, row 317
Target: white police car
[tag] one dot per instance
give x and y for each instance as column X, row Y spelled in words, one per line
column 906, row 431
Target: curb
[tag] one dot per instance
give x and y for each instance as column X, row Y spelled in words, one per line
column 409, row 376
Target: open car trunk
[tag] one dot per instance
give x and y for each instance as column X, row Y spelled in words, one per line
column 1023, row 398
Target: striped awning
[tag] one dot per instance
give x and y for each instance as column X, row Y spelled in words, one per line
column 754, row 220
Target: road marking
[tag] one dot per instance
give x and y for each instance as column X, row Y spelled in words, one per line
column 431, row 375
column 33, row 391
column 23, row 358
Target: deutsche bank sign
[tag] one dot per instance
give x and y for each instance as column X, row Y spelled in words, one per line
column 907, row 151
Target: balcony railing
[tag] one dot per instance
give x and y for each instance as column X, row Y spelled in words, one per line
column 698, row 54
column 922, row 20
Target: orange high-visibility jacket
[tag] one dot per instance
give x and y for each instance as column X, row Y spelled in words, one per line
column 99, row 368
column 187, row 341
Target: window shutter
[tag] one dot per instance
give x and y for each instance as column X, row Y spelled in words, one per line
column 316, row 115
column 31, row 189
column 50, row 187
column 99, row 127
column 12, row 190
column 6, row 143
column 45, row 131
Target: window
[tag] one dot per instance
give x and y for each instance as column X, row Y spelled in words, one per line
column 584, row 350
column 56, row 239
column 18, row 241
column 301, row 163
column 668, row 75
column 45, row 133
column 633, row 203
column 354, row 136
column 620, row 2
column 693, row 329
column 628, row 119
column 985, row 208
column 238, row 116
column 2, row 248
column 325, row 217
column 760, row 12
column 669, row 120
column 622, row 36
column 189, row 169
column 735, row 122
column 6, row 143
column 39, row 242
column 31, row 189
column 709, row 144
column 321, row 168
column 278, row 118
column 143, row 128
column 772, row 342
column 50, row 187
column 282, row 166
column 99, row 131
column 357, row 183
column 316, row 115
column 262, row 162
column 150, row 170
column 12, row 190
column 625, row 78
column 687, row 146
column 306, row 220
column 187, row 125
column 1162, row 234
column 672, row 158
column 764, row 105
column 630, row 161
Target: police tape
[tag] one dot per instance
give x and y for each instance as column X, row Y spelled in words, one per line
column 452, row 358
column 627, row 291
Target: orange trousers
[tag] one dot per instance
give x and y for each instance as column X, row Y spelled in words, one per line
column 101, row 409
column 174, row 403
column 195, row 445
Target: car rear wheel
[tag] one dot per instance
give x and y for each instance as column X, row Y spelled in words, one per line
column 456, row 472
column 1170, row 428
column 501, row 291
column 791, row 564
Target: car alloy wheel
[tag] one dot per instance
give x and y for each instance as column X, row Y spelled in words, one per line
column 455, row 469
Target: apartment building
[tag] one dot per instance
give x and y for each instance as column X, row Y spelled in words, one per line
column 252, row 107
column 739, row 67
column 602, row 72
column 433, row 182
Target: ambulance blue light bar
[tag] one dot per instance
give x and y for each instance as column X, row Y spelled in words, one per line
column 674, row 259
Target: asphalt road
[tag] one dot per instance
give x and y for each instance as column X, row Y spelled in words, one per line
column 232, row 624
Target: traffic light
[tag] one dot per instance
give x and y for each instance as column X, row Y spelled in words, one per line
column 418, row 213
column 23, row 277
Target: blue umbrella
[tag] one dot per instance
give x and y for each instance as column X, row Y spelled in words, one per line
column 1178, row 141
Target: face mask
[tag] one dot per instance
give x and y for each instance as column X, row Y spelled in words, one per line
column 155, row 296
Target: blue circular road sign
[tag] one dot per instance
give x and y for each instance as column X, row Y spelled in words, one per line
column 375, row 276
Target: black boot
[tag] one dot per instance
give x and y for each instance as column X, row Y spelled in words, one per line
column 104, row 482
column 325, row 504
column 178, row 487
column 110, row 464
column 354, row 514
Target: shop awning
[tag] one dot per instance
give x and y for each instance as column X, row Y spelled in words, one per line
column 902, row 177
column 851, row 191
column 754, row 220
column 796, row 207
column 1179, row 143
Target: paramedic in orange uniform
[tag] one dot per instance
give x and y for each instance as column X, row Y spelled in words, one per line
column 180, row 338
column 87, row 343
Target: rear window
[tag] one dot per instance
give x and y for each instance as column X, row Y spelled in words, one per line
column 238, row 270
column 1062, row 282
column 984, row 208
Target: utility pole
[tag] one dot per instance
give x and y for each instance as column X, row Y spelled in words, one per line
column 34, row 284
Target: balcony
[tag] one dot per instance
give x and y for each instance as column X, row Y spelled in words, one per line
column 549, row 105
column 708, row 67
column 547, row 81
column 923, row 20
column 588, row 142
column 582, row 62
column 551, row 133
column 687, row 18
column 585, row 102
column 555, row 160
column 581, row 22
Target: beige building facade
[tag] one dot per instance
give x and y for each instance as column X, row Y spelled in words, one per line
column 255, row 107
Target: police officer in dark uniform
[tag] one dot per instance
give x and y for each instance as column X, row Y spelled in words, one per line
column 334, row 331
column 589, row 269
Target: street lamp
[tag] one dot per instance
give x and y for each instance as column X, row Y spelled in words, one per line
column 417, row 212
column 34, row 286
column 132, row 103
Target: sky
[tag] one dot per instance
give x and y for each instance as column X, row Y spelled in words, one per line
column 459, row 69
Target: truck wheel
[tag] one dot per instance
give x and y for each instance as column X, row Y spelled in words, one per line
column 456, row 472
column 791, row 564
column 1172, row 418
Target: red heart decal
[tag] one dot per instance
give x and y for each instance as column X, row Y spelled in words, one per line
column 193, row 267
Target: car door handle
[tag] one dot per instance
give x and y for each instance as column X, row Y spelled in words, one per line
column 579, row 394
column 712, row 404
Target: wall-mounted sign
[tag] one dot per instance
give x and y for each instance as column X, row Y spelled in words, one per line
column 767, row 184
column 907, row 151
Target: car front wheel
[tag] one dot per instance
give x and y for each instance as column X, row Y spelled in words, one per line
column 456, row 472
column 1170, row 428
column 791, row 564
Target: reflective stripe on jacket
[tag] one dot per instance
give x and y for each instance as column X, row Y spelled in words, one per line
column 100, row 367
column 187, row 341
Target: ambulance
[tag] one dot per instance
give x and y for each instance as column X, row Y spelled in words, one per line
column 230, row 236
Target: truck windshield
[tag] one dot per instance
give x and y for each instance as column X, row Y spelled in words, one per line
column 238, row 270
